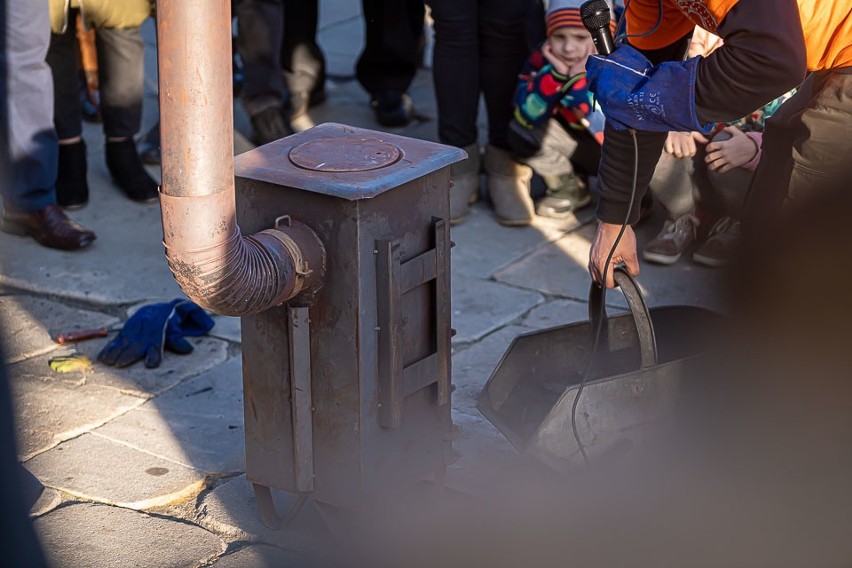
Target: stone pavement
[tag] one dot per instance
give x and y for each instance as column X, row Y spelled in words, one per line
column 146, row 467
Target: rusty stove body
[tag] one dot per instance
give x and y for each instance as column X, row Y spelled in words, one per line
column 347, row 392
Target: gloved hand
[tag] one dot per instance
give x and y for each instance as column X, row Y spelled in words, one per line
column 151, row 329
column 189, row 320
column 635, row 94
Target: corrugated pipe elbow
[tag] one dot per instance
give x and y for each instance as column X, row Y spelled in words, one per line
column 231, row 274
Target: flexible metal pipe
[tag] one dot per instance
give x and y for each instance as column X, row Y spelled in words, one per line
column 214, row 264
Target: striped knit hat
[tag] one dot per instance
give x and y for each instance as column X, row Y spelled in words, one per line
column 562, row 13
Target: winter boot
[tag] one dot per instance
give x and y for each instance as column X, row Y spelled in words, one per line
column 129, row 174
column 465, row 184
column 509, row 188
column 72, row 188
column 565, row 194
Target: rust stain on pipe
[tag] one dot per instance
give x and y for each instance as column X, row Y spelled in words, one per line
column 215, row 265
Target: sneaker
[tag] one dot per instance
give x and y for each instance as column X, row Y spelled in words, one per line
column 675, row 238
column 565, row 195
column 721, row 244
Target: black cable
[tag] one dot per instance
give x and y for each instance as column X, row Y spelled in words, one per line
column 599, row 330
column 623, row 20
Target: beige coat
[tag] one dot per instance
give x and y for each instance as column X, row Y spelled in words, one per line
column 100, row 13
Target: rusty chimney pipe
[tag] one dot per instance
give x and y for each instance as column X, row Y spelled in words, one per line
column 214, row 264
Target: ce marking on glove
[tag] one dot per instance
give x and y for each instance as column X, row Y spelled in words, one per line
column 654, row 104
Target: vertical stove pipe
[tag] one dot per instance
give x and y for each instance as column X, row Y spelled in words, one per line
column 214, row 264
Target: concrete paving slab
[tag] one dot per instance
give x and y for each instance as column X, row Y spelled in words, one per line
column 261, row 556
column 231, row 510
column 227, row 328
column 29, row 324
column 345, row 36
column 50, row 410
column 481, row 306
column 356, row 112
column 125, row 265
column 483, row 246
column 332, row 12
column 98, row 469
column 473, row 366
column 559, row 269
column 86, row 535
column 140, row 381
column 480, row 450
column 47, row 501
column 557, row 312
column 198, row 424
column 340, row 66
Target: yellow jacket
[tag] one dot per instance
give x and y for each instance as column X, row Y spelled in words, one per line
column 100, row 13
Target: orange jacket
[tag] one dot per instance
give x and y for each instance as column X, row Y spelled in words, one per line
column 826, row 25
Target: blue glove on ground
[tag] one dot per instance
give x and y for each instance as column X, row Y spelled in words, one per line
column 635, row 94
column 154, row 327
column 189, row 320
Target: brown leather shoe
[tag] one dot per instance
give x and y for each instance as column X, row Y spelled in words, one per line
column 49, row 226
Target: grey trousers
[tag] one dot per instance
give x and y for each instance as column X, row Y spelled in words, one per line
column 807, row 146
column 561, row 153
column 33, row 147
column 121, row 74
column 682, row 183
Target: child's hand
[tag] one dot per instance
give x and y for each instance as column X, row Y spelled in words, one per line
column 683, row 144
column 558, row 65
column 725, row 155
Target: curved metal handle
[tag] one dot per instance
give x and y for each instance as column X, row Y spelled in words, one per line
column 268, row 515
column 638, row 308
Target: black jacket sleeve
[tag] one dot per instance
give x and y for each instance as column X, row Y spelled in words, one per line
column 618, row 158
column 763, row 57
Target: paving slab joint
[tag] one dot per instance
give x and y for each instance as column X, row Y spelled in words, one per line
column 63, row 437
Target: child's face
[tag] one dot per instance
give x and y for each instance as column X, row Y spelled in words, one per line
column 571, row 45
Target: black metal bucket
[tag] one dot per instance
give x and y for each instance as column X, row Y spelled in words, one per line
column 634, row 381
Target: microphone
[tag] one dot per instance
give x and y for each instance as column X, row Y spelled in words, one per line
column 596, row 17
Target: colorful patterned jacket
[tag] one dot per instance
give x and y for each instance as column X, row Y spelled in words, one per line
column 542, row 93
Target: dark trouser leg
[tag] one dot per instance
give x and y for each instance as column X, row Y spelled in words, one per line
column 456, row 69
column 729, row 191
column 502, row 51
column 301, row 58
column 62, row 58
column 391, row 56
column 121, row 68
column 32, row 138
column 536, row 29
column 260, row 31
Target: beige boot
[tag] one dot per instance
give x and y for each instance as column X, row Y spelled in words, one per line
column 509, row 187
column 465, row 188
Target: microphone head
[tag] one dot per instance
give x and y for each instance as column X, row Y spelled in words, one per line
column 595, row 14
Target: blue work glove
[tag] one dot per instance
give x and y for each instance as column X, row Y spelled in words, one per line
column 154, row 327
column 635, row 94
column 188, row 320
